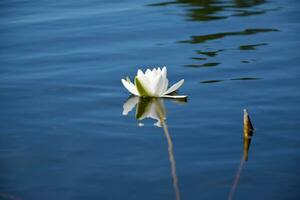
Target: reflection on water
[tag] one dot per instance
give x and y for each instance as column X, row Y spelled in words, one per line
column 211, row 81
column 154, row 108
column 205, row 38
column 146, row 108
column 245, row 79
column 206, row 10
column 209, row 64
column 233, row 79
column 61, row 99
column 210, row 53
column 251, row 47
column 210, row 10
column 248, row 133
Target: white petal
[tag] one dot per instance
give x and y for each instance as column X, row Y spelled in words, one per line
column 174, row 87
column 151, row 75
column 130, row 87
column 164, row 72
column 148, row 71
column 175, row 96
column 130, row 104
column 165, row 85
column 155, row 73
column 165, row 80
column 145, row 81
column 148, row 74
column 158, row 86
column 140, row 73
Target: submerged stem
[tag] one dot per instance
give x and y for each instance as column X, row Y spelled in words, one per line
column 172, row 161
column 171, row 153
column 236, row 179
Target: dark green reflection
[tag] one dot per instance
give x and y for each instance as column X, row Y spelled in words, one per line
column 215, row 36
column 211, row 81
column 245, row 79
column 210, row 64
column 209, row 10
column 245, row 13
column 206, row 10
column 204, row 38
column 251, row 47
column 245, row 61
column 248, row 3
column 210, row 53
column 198, row 58
column 233, row 79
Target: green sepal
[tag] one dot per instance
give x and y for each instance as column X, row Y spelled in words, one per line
column 140, row 88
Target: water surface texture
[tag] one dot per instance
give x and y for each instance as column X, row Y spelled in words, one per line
column 64, row 134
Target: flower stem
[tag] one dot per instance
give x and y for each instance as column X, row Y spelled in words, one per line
column 172, row 161
column 171, row 153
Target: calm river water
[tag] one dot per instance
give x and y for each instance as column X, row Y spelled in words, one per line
column 64, row 134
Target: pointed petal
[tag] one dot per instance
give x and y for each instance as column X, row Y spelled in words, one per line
column 157, row 86
column 155, row 72
column 130, row 87
column 164, row 72
column 174, row 87
column 148, row 72
column 145, row 81
column 165, row 85
column 142, row 88
column 151, row 74
column 140, row 73
column 130, row 104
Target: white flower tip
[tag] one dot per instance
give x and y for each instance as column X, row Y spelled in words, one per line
column 140, row 73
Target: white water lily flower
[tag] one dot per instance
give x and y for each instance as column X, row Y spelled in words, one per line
column 152, row 83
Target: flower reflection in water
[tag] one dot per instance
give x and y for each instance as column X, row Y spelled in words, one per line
column 154, row 108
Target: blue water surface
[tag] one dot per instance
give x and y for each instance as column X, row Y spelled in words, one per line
column 63, row 135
